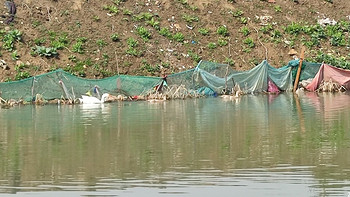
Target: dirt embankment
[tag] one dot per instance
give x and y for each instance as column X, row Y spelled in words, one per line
column 96, row 39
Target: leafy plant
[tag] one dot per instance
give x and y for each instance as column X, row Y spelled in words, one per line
column 229, row 61
column 132, row 51
column 190, row 19
column 245, row 31
column 43, row 51
column 10, row 38
column 105, row 59
column 14, row 55
column 212, row 45
column 278, row 8
column 243, row 20
column 154, row 23
column 101, row 43
column 73, row 58
column 22, row 75
column 164, row 31
column 81, row 39
column 78, row 24
column 111, row 8
column 36, row 23
column 338, row 39
column 115, row 37
column 117, row 2
column 222, row 30
column 237, row 13
column 143, row 33
column 127, row 12
column 96, row 18
column 183, row 2
column 132, row 42
column 149, row 68
column 222, row 42
column 249, row 42
column 39, row 41
column 194, row 56
column 143, row 16
column 179, row 37
column 57, row 42
column 78, row 47
column 266, row 29
column 203, row 31
column 293, row 29
column 276, row 34
column 341, row 62
column 20, row 67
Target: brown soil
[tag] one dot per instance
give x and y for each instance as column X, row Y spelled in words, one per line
column 88, row 18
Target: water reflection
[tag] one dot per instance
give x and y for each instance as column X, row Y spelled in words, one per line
column 258, row 145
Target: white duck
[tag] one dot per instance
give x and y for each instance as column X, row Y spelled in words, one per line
column 93, row 100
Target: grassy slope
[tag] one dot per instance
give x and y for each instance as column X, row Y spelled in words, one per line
column 96, row 39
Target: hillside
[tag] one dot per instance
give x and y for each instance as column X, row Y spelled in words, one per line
column 96, row 39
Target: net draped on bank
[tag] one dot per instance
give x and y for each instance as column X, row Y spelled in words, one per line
column 208, row 78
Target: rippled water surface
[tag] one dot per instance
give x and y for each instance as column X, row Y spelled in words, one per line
column 257, row 145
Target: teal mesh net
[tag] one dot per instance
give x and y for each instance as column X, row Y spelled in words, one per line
column 208, row 78
column 60, row 84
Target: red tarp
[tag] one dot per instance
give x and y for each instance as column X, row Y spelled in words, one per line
column 327, row 73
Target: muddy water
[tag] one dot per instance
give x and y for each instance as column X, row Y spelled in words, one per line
column 258, row 145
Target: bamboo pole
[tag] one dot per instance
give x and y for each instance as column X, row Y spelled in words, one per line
column 297, row 77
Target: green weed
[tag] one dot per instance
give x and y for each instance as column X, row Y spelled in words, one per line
column 14, row 55
column 39, row 41
column 194, row 56
column 212, row 45
column 144, row 33
column 278, row 8
column 10, row 38
column 101, row 43
column 154, row 23
column 243, row 20
column 164, row 31
column 245, row 31
column 78, row 47
column 132, row 43
column 222, row 42
column 249, row 42
column 22, row 75
column 115, row 37
column 112, row 9
column 237, row 13
column 266, row 29
column 229, row 61
column 179, row 37
column 222, row 30
column 203, row 31
column 43, row 51
column 96, row 18
column 127, row 12
column 189, row 18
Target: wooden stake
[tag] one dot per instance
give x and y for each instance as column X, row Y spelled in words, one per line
column 297, row 77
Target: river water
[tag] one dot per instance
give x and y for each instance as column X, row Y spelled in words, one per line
column 257, row 145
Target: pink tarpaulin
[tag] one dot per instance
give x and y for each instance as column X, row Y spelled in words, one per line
column 327, row 73
column 272, row 87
